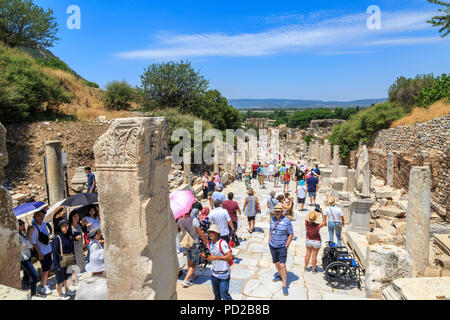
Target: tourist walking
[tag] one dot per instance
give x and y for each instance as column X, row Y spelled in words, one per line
column 271, row 172
column 271, row 203
column 62, row 249
column 40, row 239
column 30, row 275
column 312, row 184
column 211, row 185
column 221, row 218
column 74, row 219
column 276, row 178
column 254, row 170
column 220, row 255
column 192, row 232
column 205, row 222
column 239, row 172
column 248, row 181
column 286, row 181
column 205, row 181
column 233, row 210
column 261, row 176
column 92, row 184
column 217, row 195
column 280, row 237
column 334, row 218
column 251, row 208
column 289, row 203
column 301, row 194
column 286, row 205
column 313, row 241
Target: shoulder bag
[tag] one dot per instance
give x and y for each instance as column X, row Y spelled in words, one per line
column 186, row 241
column 66, row 259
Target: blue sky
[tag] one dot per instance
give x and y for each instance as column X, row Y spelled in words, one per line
column 257, row 49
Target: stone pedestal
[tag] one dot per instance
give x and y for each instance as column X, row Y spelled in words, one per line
column 342, row 172
column 55, row 171
column 327, row 154
column 325, row 177
column 132, row 160
column 390, row 170
column 336, row 161
column 360, row 217
column 346, row 208
column 363, row 174
column 322, row 154
column 10, row 248
column 351, row 180
column 418, row 218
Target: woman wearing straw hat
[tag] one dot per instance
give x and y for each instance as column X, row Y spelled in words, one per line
column 313, row 241
column 335, row 218
column 251, row 206
column 219, row 256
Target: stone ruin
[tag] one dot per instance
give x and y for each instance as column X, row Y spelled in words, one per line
column 133, row 160
column 10, row 250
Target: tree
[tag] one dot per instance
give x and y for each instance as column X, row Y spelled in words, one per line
column 118, row 95
column 215, row 108
column 23, row 23
column 441, row 21
column 172, row 85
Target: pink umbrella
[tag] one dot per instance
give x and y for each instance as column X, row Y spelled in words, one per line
column 181, row 202
column 290, row 162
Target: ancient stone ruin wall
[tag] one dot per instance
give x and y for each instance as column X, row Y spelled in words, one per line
column 322, row 128
column 420, row 145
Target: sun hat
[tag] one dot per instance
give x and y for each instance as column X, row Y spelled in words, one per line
column 332, row 201
column 93, row 232
column 61, row 222
column 96, row 262
column 302, row 182
column 250, row 191
column 278, row 207
column 213, row 228
column 312, row 217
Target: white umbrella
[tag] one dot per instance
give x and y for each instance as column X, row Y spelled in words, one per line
column 50, row 212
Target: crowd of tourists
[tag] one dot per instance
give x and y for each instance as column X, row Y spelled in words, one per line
column 208, row 234
column 60, row 249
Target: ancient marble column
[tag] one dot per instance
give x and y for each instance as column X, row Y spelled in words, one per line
column 10, row 248
column 325, row 177
column 55, row 171
column 351, row 180
column 390, row 170
column 360, row 217
column 133, row 160
column 317, row 150
column 363, row 174
column 418, row 218
column 342, row 172
column 327, row 154
column 322, row 154
column 336, row 161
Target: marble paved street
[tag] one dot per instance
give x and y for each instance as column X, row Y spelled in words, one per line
column 253, row 271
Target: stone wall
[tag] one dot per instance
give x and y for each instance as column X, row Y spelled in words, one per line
column 322, row 128
column 420, row 145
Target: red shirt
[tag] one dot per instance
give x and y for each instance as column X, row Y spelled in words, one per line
column 255, row 167
column 312, row 231
column 231, row 206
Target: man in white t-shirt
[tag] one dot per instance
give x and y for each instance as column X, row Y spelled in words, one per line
column 219, row 256
column 335, row 218
column 301, row 194
column 271, row 171
column 44, row 250
column 221, row 218
column 217, row 195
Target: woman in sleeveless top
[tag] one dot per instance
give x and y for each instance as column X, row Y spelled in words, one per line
column 250, row 207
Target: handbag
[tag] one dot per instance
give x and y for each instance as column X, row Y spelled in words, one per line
column 186, row 241
column 258, row 209
column 339, row 226
column 67, row 259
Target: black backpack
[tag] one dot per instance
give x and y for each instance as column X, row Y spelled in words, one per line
column 43, row 238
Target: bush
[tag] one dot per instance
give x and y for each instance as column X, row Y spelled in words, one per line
column 437, row 90
column 404, row 90
column 118, row 95
column 54, row 63
column 302, row 119
column 364, row 125
column 25, row 90
column 91, row 84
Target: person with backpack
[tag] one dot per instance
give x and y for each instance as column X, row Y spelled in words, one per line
column 317, row 170
column 261, row 175
column 280, row 237
column 271, row 203
column 30, row 275
column 221, row 258
column 63, row 257
column 335, row 218
column 40, row 239
column 301, row 194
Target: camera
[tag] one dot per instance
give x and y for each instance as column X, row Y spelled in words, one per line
column 204, row 249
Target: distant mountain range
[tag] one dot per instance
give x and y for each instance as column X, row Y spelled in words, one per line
column 290, row 103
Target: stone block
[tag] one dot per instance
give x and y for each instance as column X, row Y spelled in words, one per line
column 8, row 293
column 390, row 212
column 423, row 288
column 432, row 272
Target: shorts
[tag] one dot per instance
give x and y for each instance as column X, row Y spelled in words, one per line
column 286, row 182
column 312, row 194
column 193, row 254
column 316, row 244
column 62, row 275
column 261, row 178
column 251, row 218
column 276, row 178
column 301, row 200
column 46, row 263
column 278, row 254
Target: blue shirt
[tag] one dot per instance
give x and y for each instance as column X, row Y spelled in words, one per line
column 280, row 231
column 312, row 184
column 218, row 196
column 91, row 179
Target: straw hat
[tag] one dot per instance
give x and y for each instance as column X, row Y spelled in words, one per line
column 214, row 228
column 250, row 192
column 312, row 216
column 278, row 207
column 332, row 201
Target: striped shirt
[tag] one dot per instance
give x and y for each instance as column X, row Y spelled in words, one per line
column 280, row 231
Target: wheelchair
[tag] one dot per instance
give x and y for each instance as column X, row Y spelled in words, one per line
column 341, row 268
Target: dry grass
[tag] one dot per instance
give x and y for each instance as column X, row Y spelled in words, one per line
column 87, row 103
column 436, row 110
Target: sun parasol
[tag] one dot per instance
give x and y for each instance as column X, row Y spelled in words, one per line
column 290, row 162
column 181, row 202
column 29, row 208
column 50, row 212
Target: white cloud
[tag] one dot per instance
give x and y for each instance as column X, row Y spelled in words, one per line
column 341, row 34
